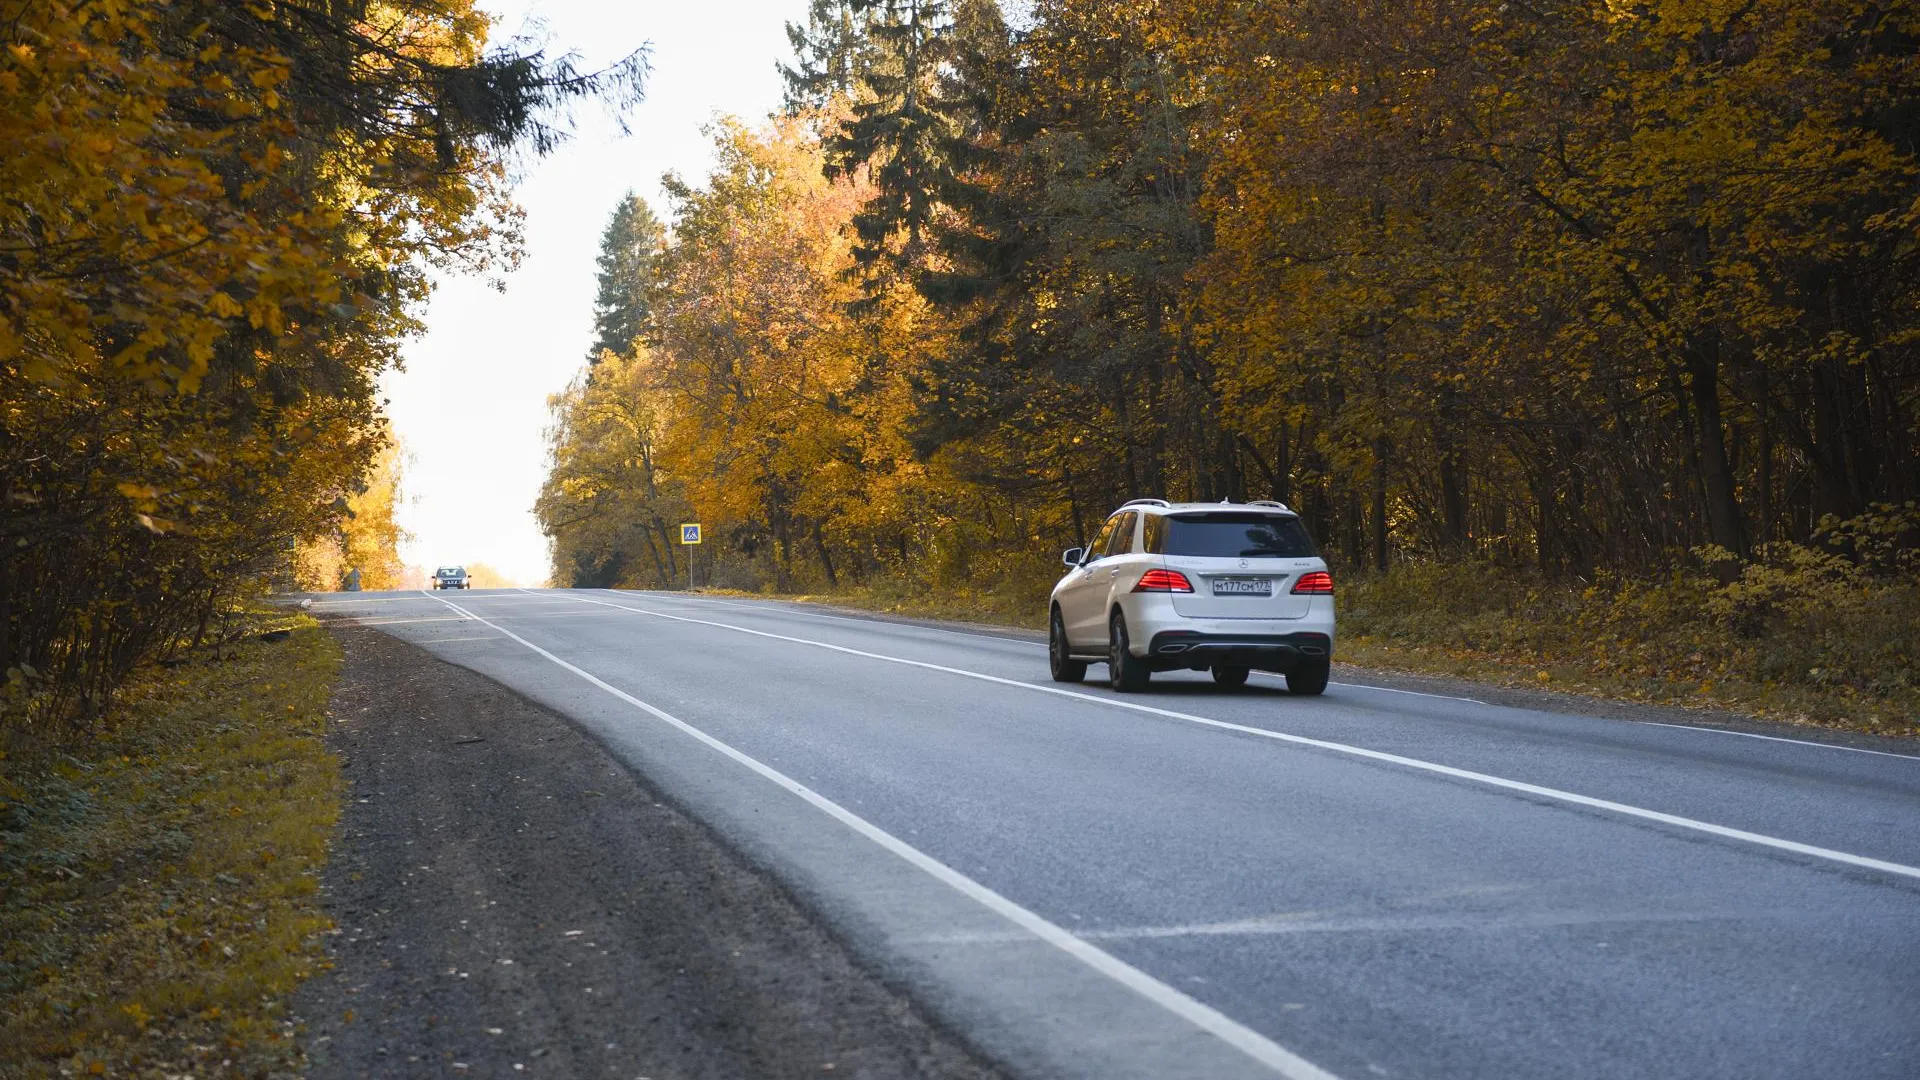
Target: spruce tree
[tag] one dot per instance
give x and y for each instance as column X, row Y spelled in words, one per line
column 632, row 240
column 831, row 54
column 908, row 128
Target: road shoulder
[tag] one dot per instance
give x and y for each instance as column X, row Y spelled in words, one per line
column 511, row 899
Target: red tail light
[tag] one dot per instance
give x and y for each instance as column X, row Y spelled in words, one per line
column 1163, row 581
column 1316, row 582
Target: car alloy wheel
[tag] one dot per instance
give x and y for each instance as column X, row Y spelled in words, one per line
column 1060, row 661
column 1125, row 673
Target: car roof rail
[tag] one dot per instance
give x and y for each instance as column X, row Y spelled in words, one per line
column 1273, row 503
column 1145, row 502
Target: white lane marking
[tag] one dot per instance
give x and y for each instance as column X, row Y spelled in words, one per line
column 1410, row 693
column 1387, row 689
column 1311, row 922
column 404, row 598
column 875, row 622
column 1235, row 1034
column 987, row 637
column 1723, row 831
column 1776, row 738
column 400, row 621
column 1264, row 674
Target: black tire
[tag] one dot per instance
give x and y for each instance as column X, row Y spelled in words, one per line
column 1062, row 666
column 1126, row 673
column 1309, row 676
column 1230, row 674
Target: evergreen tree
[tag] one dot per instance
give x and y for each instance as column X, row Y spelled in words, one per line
column 831, row 55
column 908, row 128
column 632, row 240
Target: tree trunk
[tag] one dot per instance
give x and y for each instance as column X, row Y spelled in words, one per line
column 666, row 542
column 1380, row 505
column 1073, row 508
column 1282, row 466
column 1766, row 470
column 1453, row 499
column 659, row 570
column 1725, row 525
column 826, row 559
column 1354, row 527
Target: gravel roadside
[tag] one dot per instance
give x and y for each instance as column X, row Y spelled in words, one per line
column 511, row 901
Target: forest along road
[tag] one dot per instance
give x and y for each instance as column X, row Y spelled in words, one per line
column 1197, row 882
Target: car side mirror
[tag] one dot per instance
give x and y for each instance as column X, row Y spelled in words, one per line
column 1072, row 556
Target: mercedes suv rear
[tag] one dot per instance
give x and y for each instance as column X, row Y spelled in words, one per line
column 1221, row 587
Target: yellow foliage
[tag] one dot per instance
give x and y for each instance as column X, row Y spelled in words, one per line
column 205, row 264
column 368, row 537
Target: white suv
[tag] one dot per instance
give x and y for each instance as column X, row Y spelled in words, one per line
column 1221, row 587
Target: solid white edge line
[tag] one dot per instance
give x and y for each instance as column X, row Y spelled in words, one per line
column 841, row 618
column 1776, row 738
column 1393, row 690
column 1355, row 686
column 990, row 637
column 1235, row 1034
column 1624, row 809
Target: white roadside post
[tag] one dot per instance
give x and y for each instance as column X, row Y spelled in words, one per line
column 689, row 539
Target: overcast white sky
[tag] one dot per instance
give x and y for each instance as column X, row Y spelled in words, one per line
column 470, row 406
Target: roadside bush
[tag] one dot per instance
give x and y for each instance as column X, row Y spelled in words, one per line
column 1824, row 631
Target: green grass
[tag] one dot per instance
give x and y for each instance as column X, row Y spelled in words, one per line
column 159, row 879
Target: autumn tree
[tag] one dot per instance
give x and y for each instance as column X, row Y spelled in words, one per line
column 605, row 502
column 215, row 223
column 367, row 538
column 1584, row 286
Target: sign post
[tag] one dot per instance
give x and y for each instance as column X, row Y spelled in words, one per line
column 689, row 539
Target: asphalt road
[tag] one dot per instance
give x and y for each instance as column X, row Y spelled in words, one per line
column 1205, row 883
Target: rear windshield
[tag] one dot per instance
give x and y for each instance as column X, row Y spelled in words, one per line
column 1231, row 535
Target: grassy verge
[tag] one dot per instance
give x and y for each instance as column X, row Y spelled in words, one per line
column 1804, row 639
column 158, row 881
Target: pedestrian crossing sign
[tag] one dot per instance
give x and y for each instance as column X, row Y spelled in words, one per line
column 690, row 533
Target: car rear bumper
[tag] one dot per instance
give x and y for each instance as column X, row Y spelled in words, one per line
column 1158, row 632
column 1171, row 649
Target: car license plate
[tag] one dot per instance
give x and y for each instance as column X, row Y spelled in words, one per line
column 1234, row 586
